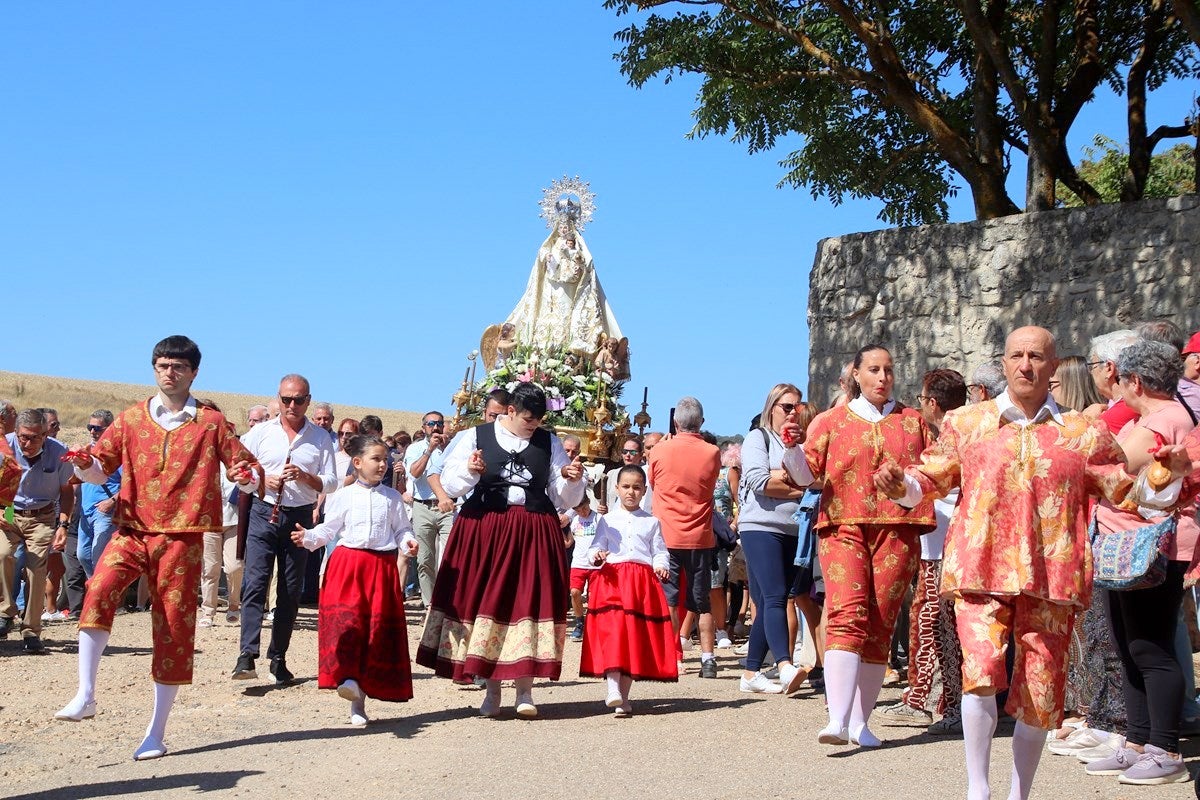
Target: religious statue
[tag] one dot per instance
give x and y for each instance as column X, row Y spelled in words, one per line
column 497, row 344
column 612, row 357
column 563, row 304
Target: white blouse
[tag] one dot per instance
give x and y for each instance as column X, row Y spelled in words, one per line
column 627, row 536
column 457, row 480
column 362, row 517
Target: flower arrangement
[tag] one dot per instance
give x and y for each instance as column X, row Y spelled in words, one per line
column 572, row 385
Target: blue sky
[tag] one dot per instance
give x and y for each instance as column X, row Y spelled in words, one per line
column 350, row 191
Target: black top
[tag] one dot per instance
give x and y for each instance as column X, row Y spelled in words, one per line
column 528, row 469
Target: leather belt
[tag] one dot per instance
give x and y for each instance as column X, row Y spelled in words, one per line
column 33, row 512
column 308, row 507
column 429, row 503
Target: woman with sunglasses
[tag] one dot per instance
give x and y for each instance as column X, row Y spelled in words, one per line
column 868, row 545
column 768, row 535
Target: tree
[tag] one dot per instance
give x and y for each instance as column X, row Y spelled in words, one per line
column 903, row 100
column 1170, row 173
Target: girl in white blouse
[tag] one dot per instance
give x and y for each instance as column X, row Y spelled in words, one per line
column 362, row 635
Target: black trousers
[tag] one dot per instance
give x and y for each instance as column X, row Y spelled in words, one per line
column 75, row 580
column 268, row 546
column 1143, row 625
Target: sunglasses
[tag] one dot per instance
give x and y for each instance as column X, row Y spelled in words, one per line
column 787, row 407
column 435, row 424
column 631, row 452
column 96, row 428
column 298, row 400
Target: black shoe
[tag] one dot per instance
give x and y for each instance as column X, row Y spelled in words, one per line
column 244, row 670
column 708, row 668
column 6, row 624
column 33, row 645
column 280, row 671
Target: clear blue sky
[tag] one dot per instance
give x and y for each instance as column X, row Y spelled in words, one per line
column 350, row 191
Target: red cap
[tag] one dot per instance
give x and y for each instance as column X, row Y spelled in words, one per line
column 1193, row 344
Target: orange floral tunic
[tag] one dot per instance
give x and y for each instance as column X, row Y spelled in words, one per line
column 847, row 450
column 171, row 482
column 1021, row 524
column 10, row 474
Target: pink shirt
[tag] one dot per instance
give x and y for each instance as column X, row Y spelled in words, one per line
column 1173, row 424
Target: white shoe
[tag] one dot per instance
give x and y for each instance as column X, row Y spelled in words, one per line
column 686, row 644
column 204, row 622
column 614, row 700
column 358, row 715
column 828, row 735
column 791, row 677
column 624, row 711
column 525, row 706
column 149, row 749
column 864, row 738
column 1082, row 739
column 723, row 640
column 75, row 713
column 350, row 690
column 742, row 649
column 1106, row 749
column 759, row 684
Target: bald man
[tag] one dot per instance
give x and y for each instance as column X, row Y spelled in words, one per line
column 1016, row 555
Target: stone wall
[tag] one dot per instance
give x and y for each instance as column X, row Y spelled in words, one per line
column 947, row 295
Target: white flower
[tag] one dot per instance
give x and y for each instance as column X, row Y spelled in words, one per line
column 521, row 368
column 510, row 386
column 604, row 376
column 552, row 391
column 553, row 363
column 579, row 380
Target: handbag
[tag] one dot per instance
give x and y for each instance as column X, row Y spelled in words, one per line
column 1124, row 561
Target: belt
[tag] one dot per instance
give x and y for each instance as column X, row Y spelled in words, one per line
column 430, row 503
column 33, row 512
column 308, row 507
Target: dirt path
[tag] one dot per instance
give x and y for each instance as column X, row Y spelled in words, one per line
column 693, row 739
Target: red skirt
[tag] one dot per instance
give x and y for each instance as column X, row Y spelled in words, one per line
column 628, row 625
column 361, row 629
column 499, row 607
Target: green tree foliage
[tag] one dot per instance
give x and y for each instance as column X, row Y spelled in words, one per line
column 1172, row 172
column 907, row 102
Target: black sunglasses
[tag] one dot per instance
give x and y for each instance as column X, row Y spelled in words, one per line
column 96, row 428
column 298, row 400
column 787, row 407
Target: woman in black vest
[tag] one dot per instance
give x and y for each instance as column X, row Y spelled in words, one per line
column 499, row 608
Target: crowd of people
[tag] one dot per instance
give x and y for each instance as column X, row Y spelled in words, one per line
column 976, row 514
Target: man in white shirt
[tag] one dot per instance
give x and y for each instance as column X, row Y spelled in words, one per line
column 298, row 460
column 433, row 511
column 631, row 454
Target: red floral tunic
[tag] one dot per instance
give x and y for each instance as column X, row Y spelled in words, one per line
column 171, row 482
column 847, row 450
column 1021, row 523
column 10, row 473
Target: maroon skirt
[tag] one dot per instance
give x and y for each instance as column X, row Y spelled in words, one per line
column 361, row 630
column 628, row 625
column 499, row 606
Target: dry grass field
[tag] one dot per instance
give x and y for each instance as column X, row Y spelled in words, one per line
column 75, row 399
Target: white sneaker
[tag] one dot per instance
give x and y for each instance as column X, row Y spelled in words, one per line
column 1106, row 749
column 760, row 684
column 685, row 644
column 204, row 622
column 791, row 677
column 1082, row 739
column 723, row 640
column 742, row 649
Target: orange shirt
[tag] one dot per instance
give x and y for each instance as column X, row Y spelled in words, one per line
column 171, row 482
column 683, row 471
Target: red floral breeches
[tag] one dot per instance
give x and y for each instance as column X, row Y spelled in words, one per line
column 172, row 563
column 867, row 570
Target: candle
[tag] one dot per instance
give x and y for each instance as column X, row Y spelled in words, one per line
column 467, row 374
column 645, row 394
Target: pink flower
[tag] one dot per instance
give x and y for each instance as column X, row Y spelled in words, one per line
column 526, row 376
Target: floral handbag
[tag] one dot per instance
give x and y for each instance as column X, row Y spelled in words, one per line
column 1123, row 561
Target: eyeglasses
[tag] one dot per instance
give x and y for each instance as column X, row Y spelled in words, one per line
column 172, row 366
column 972, row 387
column 298, row 400
column 96, row 428
column 1094, row 364
column 435, row 423
column 30, row 437
column 787, row 407
column 1054, row 385
column 921, row 398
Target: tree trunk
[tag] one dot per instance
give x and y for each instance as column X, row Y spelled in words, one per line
column 1133, row 186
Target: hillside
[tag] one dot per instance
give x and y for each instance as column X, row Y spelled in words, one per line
column 75, row 399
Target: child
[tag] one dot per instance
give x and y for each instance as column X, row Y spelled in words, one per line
column 362, row 636
column 630, row 635
column 581, row 522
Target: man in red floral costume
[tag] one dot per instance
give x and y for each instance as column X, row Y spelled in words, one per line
column 171, row 451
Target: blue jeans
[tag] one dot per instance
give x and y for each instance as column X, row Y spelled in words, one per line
column 95, row 530
column 769, row 558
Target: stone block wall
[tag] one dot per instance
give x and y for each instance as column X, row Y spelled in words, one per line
column 947, row 295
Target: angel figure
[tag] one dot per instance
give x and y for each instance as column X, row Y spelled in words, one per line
column 612, row 357
column 497, row 344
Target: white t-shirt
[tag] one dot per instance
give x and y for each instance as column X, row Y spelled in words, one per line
column 583, row 531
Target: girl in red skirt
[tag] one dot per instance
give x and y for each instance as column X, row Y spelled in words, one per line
column 629, row 635
column 362, row 636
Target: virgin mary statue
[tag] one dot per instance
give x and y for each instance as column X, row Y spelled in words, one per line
column 563, row 304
